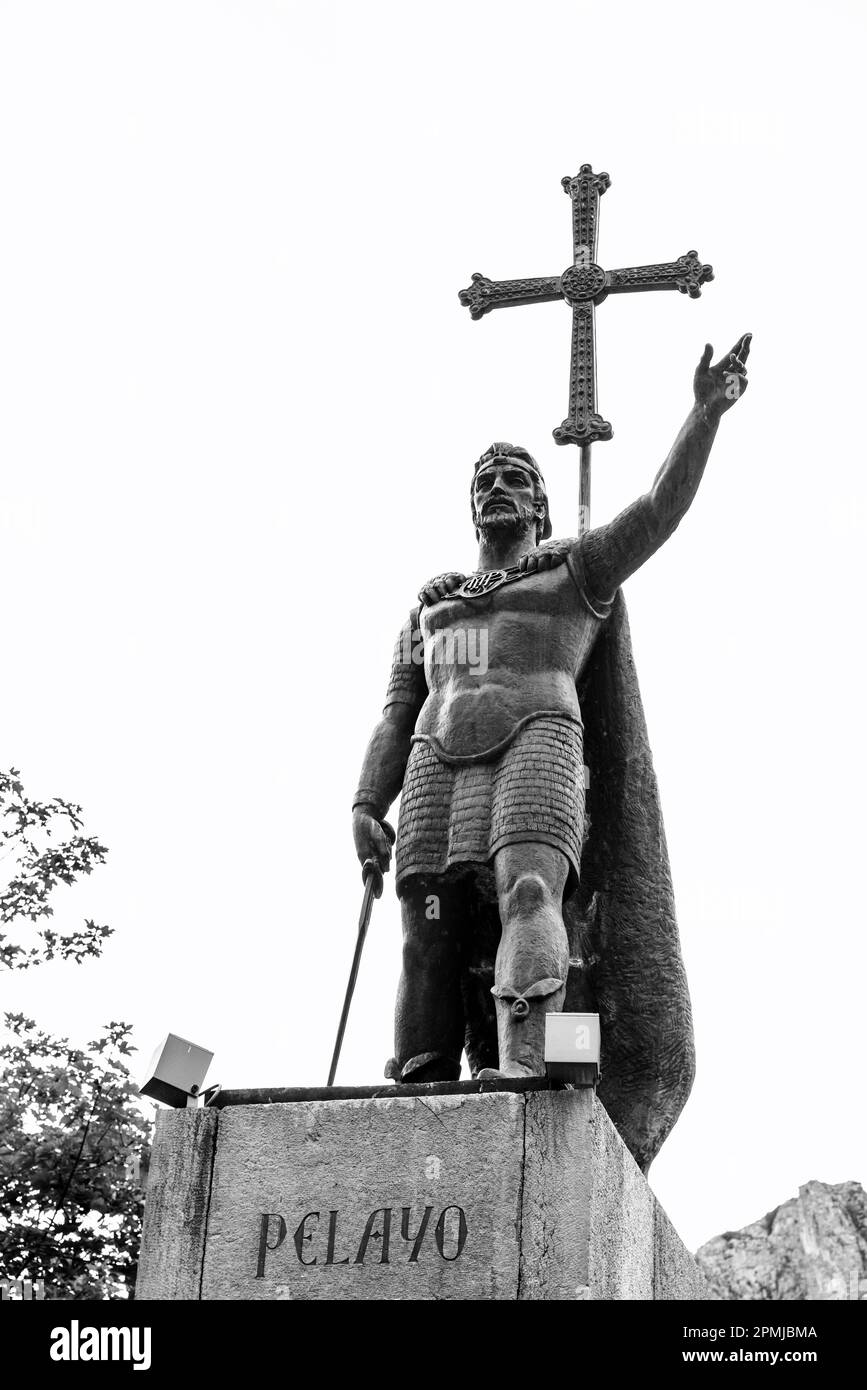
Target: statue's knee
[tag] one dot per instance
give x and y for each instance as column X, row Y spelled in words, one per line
column 528, row 894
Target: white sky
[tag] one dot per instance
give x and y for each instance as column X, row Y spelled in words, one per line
column 239, row 403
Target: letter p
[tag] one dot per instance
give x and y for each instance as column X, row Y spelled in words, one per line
column 264, row 1247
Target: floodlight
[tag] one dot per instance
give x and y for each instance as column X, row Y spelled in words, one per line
column 176, row 1072
column 572, row 1048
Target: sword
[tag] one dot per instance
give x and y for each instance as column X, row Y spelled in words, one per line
column 372, row 876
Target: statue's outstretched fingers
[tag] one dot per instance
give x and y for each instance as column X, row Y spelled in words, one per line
column 741, row 351
column 705, row 357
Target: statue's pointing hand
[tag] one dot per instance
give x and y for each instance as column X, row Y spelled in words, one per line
column 717, row 387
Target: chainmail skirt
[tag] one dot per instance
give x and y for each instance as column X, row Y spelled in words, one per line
column 456, row 815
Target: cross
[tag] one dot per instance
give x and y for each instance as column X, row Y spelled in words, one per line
column 583, row 285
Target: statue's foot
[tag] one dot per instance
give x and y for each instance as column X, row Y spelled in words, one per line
column 512, row 1071
column 427, row 1066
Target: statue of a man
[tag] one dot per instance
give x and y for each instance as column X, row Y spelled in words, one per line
column 482, row 732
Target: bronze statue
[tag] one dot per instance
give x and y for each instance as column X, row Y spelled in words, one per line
column 504, row 684
column 531, row 858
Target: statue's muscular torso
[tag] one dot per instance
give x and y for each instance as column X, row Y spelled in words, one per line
column 471, row 670
column 494, row 661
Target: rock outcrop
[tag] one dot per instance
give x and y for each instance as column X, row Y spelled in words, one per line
column 812, row 1247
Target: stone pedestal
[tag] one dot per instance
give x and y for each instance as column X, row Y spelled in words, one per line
column 444, row 1193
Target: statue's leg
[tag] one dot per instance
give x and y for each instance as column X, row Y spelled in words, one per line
column 533, row 955
column 429, row 1014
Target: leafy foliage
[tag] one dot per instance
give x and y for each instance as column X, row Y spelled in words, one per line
column 72, row 1145
column 40, row 861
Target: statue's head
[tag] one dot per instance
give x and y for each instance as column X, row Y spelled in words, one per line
column 508, row 492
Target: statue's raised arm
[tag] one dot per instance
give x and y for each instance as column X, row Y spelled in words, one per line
column 616, row 550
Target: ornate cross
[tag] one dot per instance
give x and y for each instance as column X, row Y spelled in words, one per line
column 584, row 285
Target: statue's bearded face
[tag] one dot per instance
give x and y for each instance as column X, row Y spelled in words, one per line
column 504, row 497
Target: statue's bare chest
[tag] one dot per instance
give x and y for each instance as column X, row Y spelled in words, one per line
column 499, row 595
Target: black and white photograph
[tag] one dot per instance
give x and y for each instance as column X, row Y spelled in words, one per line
column 431, row 756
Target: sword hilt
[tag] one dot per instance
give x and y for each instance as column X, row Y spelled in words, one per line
column 371, row 874
column 370, row 870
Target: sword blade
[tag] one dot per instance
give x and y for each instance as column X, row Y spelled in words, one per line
column 372, row 889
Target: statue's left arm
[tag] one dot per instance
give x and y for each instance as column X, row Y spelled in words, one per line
column 613, row 552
